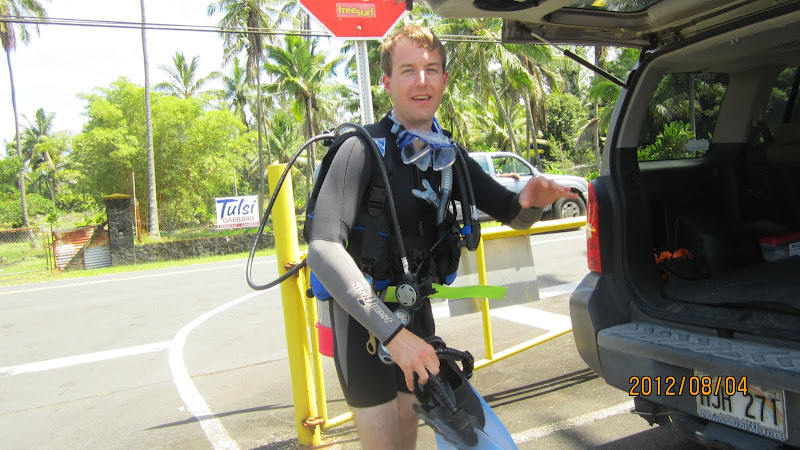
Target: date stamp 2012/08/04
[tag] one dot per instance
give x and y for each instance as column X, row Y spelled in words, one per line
column 693, row 385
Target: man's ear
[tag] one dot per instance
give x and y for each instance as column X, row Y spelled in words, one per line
column 446, row 77
column 387, row 85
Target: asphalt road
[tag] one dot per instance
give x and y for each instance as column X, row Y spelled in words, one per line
column 131, row 361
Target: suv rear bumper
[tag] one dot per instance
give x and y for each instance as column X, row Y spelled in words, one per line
column 619, row 350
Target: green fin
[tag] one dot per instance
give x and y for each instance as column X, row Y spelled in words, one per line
column 478, row 290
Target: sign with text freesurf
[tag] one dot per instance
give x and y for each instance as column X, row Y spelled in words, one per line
column 237, row 212
column 356, row 19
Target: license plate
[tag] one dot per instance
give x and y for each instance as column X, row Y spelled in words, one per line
column 761, row 411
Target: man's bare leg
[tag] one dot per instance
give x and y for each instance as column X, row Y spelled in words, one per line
column 378, row 426
column 409, row 421
column 390, row 426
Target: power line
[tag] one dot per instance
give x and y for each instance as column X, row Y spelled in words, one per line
column 157, row 26
column 203, row 28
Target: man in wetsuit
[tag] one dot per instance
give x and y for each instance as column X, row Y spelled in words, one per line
column 414, row 64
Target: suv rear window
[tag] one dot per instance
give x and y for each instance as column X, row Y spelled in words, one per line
column 777, row 113
column 684, row 107
column 625, row 7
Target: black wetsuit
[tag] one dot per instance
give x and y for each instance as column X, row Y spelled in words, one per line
column 356, row 311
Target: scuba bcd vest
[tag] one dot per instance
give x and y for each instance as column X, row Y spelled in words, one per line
column 433, row 249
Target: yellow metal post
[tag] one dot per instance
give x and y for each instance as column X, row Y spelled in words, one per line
column 294, row 313
column 480, row 254
column 316, row 357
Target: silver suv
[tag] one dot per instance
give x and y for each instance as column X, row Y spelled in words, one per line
column 513, row 172
column 692, row 304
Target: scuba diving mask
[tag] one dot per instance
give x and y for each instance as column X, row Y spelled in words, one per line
column 426, row 149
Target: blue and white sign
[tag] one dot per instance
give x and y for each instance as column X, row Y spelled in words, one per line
column 237, row 212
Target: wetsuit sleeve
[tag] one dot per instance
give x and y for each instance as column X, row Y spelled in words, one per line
column 494, row 199
column 335, row 212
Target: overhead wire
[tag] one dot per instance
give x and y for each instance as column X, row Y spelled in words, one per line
column 202, row 28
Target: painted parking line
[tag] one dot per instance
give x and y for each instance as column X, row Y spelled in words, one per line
column 546, row 430
column 137, row 277
column 549, row 241
column 68, row 361
column 525, row 314
column 533, row 317
column 555, row 291
column 215, row 432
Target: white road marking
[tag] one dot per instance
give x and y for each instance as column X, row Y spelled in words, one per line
column 138, row 277
column 58, row 363
column 215, row 432
column 561, row 289
column 546, row 430
column 533, row 317
column 583, row 237
column 526, row 315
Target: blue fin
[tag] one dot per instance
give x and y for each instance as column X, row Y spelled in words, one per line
column 455, row 411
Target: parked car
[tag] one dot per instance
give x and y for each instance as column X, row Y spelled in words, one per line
column 513, row 172
column 692, row 305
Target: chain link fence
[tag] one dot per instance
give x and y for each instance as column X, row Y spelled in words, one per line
column 24, row 250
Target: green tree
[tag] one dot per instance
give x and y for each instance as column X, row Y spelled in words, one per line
column 198, row 148
column 153, row 229
column 488, row 131
column 669, row 144
column 535, row 59
column 8, row 37
column 565, row 116
column 183, row 78
column 252, row 16
column 235, row 90
column 286, row 136
column 41, row 148
column 301, row 72
column 480, row 58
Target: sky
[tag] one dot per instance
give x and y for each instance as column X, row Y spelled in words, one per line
column 64, row 61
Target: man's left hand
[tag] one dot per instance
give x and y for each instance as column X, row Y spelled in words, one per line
column 540, row 192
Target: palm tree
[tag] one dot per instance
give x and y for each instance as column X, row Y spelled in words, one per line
column 479, row 59
column 36, row 138
column 286, row 136
column 381, row 102
column 8, row 36
column 301, row 72
column 152, row 219
column 235, row 90
column 251, row 16
column 536, row 59
column 183, row 81
column 488, row 129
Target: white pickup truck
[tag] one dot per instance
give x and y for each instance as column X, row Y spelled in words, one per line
column 513, row 172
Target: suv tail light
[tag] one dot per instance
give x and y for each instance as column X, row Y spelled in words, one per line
column 592, row 232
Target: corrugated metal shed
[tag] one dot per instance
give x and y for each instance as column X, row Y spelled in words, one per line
column 67, row 243
column 97, row 253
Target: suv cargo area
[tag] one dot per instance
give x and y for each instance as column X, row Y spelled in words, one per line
column 692, row 303
column 698, row 249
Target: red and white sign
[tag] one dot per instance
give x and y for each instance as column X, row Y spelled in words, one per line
column 356, row 19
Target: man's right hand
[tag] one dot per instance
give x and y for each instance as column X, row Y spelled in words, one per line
column 413, row 355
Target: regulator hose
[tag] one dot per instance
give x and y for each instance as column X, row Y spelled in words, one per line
column 321, row 137
column 268, row 210
column 469, row 212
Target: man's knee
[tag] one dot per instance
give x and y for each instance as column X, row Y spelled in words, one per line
column 378, row 426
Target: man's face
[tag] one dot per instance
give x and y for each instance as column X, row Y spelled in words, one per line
column 416, row 84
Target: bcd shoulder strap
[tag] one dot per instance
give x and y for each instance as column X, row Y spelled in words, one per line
column 377, row 192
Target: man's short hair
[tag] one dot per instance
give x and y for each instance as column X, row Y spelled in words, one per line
column 420, row 35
